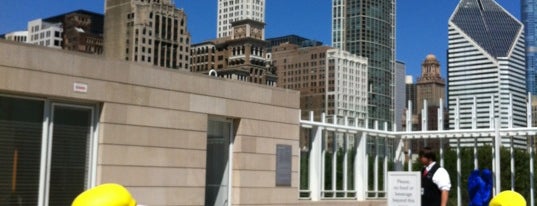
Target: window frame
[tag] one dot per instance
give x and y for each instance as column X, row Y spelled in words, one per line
column 47, row 140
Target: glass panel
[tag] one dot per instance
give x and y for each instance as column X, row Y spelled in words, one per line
column 328, row 162
column 351, row 157
column 217, row 168
column 305, row 144
column 340, row 152
column 71, row 134
column 21, row 123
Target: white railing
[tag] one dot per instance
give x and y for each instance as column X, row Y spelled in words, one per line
column 338, row 153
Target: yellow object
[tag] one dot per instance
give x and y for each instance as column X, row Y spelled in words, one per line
column 508, row 198
column 105, row 195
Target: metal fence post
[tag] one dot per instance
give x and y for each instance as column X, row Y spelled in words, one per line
column 497, row 166
column 315, row 164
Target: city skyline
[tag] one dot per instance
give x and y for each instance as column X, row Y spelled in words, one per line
column 416, row 36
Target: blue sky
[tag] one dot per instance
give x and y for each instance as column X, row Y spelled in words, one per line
column 421, row 24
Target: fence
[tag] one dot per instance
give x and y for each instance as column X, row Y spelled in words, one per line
column 342, row 160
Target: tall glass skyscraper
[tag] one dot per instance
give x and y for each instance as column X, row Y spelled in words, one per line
column 367, row 28
column 486, row 65
column 529, row 18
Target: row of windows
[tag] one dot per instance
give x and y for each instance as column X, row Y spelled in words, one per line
column 44, row 34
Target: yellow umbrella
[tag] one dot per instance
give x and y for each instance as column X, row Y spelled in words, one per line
column 105, row 195
column 508, row 198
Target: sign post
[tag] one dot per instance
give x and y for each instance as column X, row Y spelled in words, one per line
column 404, row 189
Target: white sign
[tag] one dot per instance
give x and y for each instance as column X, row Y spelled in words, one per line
column 404, row 189
column 80, row 87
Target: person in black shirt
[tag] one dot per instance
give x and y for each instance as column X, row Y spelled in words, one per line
column 435, row 181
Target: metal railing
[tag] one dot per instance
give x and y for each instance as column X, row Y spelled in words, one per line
column 346, row 161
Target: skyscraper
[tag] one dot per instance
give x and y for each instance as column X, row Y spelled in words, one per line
column 431, row 86
column 367, row 28
column 330, row 81
column 230, row 11
column 400, row 94
column 152, row 32
column 529, row 18
column 411, row 96
column 411, row 93
column 311, row 81
column 486, row 61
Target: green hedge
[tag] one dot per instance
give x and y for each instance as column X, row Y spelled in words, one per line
column 522, row 174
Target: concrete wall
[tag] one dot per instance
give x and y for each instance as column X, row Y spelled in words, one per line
column 153, row 124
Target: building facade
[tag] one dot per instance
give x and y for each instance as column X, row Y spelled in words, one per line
column 486, row 60
column 529, row 18
column 151, row 32
column 16, row 36
column 203, row 57
column 331, row 81
column 83, row 32
column 78, row 30
column 346, row 83
column 230, row 11
column 303, row 69
column 400, row 94
column 242, row 56
column 82, row 122
column 367, row 28
column 43, row 33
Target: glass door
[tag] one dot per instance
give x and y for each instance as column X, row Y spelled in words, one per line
column 219, row 144
column 71, row 132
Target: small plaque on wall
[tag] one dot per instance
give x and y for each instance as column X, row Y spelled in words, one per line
column 284, row 155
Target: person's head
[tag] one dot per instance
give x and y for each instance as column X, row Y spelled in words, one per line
column 427, row 156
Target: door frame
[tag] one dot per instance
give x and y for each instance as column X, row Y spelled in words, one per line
column 231, row 142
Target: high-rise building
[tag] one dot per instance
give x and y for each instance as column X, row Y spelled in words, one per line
column 346, row 94
column 151, row 32
column 529, row 18
column 411, row 97
column 367, row 28
column 331, row 81
column 78, row 30
column 303, row 69
column 411, row 93
column 230, row 11
column 430, row 87
column 241, row 56
column 400, row 94
column 486, row 61
column 17, row 36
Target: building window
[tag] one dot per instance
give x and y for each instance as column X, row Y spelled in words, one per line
column 35, row 133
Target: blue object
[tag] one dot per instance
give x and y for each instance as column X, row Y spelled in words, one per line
column 480, row 187
column 486, row 175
